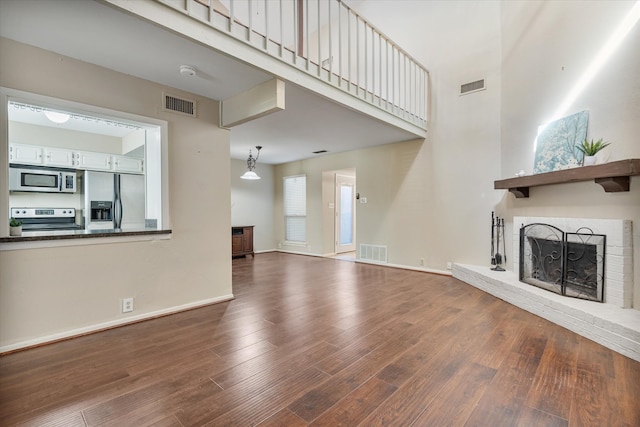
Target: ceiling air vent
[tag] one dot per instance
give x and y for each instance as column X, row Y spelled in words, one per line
column 178, row 105
column 472, row 87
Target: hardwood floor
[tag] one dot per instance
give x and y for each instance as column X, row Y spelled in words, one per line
column 324, row 342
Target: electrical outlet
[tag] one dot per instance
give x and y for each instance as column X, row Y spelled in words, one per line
column 127, row 305
column 421, row 261
column 449, row 265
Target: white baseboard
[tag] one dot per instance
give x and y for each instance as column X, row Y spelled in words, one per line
column 401, row 266
column 111, row 324
column 408, row 267
column 299, row 253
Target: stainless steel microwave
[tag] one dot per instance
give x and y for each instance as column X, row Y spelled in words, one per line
column 42, row 180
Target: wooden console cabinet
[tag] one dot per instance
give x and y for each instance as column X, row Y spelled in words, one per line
column 242, row 241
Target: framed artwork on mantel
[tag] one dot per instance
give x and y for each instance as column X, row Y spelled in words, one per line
column 556, row 143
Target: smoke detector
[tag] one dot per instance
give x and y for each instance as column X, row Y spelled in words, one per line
column 187, row 70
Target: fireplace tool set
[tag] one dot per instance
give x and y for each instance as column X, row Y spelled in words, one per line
column 497, row 234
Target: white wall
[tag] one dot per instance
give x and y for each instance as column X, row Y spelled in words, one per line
column 48, row 136
column 443, row 192
column 542, row 64
column 431, row 199
column 50, row 292
column 546, row 48
column 390, row 177
column 252, row 203
column 134, row 142
column 317, row 208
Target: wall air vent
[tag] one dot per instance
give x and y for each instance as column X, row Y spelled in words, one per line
column 472, row 87
column 373, row 253
column 179, row 105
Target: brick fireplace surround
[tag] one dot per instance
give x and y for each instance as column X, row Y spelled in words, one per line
column 613, row 323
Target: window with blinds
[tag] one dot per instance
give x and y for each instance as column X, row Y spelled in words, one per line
column 295, row 208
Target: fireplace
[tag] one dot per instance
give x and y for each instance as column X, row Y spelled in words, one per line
column 616, row 270
column 610, row 323
column 569, row 264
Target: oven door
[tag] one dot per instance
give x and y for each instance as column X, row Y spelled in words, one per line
column 46, row 219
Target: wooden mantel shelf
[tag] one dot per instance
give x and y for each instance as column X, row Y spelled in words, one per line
column 613, row 177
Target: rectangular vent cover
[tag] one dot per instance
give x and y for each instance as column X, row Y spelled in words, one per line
column 373, row 253
column 178, row 105
column 472, row 87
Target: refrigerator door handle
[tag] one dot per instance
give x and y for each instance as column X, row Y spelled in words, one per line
column 117, row 202
column 117, row 217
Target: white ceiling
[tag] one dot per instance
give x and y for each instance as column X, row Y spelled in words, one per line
column 96, row 33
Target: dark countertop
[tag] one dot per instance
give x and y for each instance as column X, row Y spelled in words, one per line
column 36, row 236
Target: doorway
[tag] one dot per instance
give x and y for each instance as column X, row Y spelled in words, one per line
column 345, row 221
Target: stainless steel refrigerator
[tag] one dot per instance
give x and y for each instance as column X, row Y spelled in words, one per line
column 114, row 201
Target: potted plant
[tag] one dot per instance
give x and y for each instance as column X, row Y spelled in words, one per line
column 589, row 150
column 15, row 227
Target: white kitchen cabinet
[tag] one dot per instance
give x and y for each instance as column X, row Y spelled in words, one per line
column 59, row 157
column 93, row 161
column 25, row 154
column 127, row 164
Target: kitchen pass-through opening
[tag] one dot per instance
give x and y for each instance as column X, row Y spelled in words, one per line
column 85, row 141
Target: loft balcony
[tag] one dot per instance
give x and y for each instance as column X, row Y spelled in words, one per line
column 322, row 45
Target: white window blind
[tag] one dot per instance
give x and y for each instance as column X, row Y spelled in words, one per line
column 295, row 208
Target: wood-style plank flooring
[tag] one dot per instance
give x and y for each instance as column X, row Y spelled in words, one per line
column 325, row 342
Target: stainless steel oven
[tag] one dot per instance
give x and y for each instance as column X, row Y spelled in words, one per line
column 46, row 219
column 42, row 180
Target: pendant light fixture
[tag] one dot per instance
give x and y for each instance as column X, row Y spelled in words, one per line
column 251, row 165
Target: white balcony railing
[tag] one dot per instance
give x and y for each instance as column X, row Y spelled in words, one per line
column 328, row 40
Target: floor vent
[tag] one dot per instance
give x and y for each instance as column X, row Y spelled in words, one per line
column 472, row 87
column 373, row 253
column 178, row 105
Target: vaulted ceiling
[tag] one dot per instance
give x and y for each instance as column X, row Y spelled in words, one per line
column 100, row 34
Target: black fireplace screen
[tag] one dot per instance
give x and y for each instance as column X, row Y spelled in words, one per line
column 570, row 264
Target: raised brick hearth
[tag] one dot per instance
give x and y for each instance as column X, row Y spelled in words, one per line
column 612, row 323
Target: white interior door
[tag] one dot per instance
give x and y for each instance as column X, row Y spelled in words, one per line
column 345, row 213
